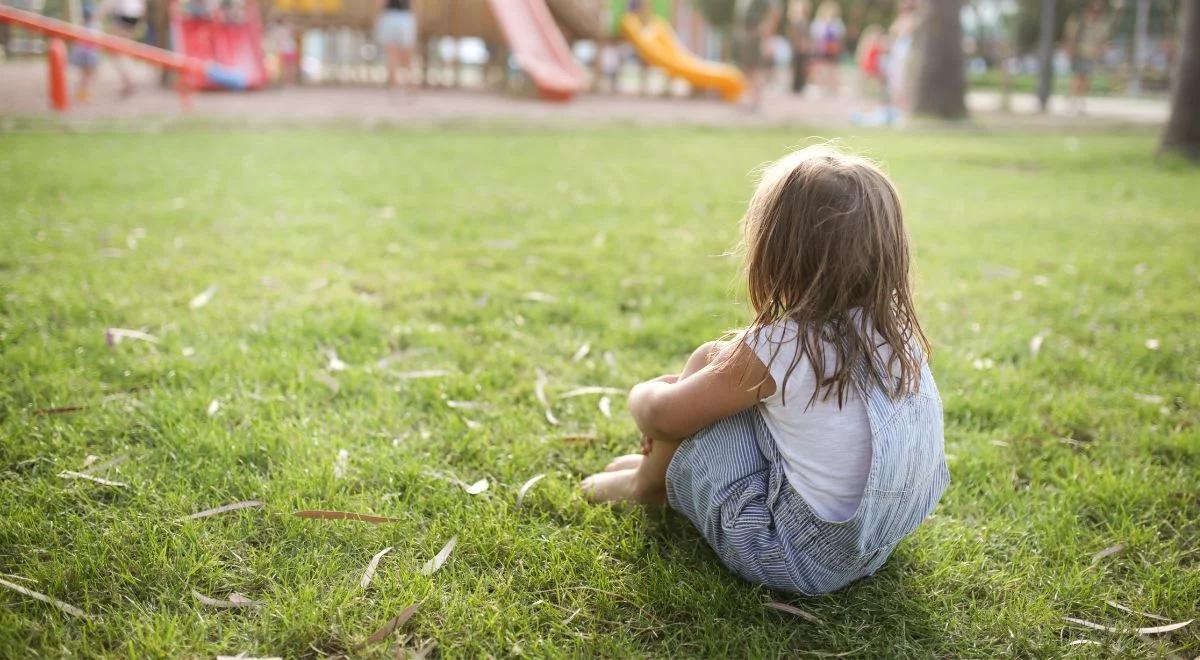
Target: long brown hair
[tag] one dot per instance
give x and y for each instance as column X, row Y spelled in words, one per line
column 824, row 245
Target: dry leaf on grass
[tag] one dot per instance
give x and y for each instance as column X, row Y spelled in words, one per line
column 539, row 297
column 830, row 654
column 236, row 506
column 590, row 389
column 243, row 656
column 421, row 373
column 1152, row 630
column 71, row 474
column 525, row 488
column 1083, row 641
column 433, row 565
column 1035, row 344
column 69, row 609
column 466, row 405
column 235, row 600
column 581, row 352
column 1121, row 607
column 539, row 389
column 114, row 336
column 576, row 437
column 792, row 609
column 397, row 356
column 213, row 407
column 343, row 515
column 60, row 410
column 327, row 380
column 203, row 298
column 106, row 465
column 389, row 627
column 341, row 464
column 605, row 406
column 1158, row 630
column 477, row 487
column 335, row 363
column 370, row 572
column 1107, row 552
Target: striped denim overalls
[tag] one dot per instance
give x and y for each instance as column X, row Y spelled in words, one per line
column 728, row 480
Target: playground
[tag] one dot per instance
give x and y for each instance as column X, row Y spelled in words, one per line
column 315, row 367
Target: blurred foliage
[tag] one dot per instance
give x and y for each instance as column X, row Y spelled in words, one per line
column 857, row 14
column 718, row 13
column 1163, row 19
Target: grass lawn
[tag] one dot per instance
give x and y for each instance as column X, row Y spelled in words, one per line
column 485, row 255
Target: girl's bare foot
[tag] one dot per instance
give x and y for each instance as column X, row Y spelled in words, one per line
column 618, row 486
column 626, row 462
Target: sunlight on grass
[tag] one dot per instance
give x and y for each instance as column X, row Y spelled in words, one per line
column 355, row 321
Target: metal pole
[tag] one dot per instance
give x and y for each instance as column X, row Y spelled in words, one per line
column 1046, row 55
column 1141, row 24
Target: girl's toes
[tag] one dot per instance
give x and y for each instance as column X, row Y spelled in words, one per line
column 608, row 486
column 626, row 462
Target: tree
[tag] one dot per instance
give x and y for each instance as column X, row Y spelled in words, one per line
column 718, row 13
column 1182, row 134
column 941, row 84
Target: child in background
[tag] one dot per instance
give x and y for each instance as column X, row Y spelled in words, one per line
column 280, row 43
column 872, row 46
column 810, row 443
column 827, row 32
column 86, row 57
column 871, row 58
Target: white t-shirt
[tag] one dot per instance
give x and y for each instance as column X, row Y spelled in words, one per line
column 826, row 450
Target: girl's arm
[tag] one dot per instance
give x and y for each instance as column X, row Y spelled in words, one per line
column 729, row 381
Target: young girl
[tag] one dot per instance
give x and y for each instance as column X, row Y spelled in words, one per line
column 808, row 445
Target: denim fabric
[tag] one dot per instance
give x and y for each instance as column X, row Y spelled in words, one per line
column 728, row 480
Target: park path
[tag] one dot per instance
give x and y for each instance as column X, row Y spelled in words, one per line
column 23, row 95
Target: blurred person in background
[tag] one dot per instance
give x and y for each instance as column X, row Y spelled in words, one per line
column 396, row 34
column 757, row 22
column 86, row 57
column 827, row 32
column 871, row 58
column 280, row 41
column 900, row 44
column 1085, row 37
column 124, row 18
column 797, row 32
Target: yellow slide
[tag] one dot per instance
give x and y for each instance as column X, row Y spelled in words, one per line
column 656, row 43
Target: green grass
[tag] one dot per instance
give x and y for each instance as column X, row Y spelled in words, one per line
column 370, row 243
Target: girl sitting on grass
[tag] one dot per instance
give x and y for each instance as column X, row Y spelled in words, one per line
column 806, row 446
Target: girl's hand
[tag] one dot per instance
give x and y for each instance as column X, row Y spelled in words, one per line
column 666, row 378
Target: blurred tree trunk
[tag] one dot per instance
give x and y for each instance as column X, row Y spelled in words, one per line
column 941, row 85
column 1182, row 134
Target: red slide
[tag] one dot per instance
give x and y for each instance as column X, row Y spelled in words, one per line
column 234, row 44
column 542, row 51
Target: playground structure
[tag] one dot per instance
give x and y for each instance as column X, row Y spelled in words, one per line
column 218, row 49
column 193, row 71
column 538, row 34
column 657, row 44
column 217, row 35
